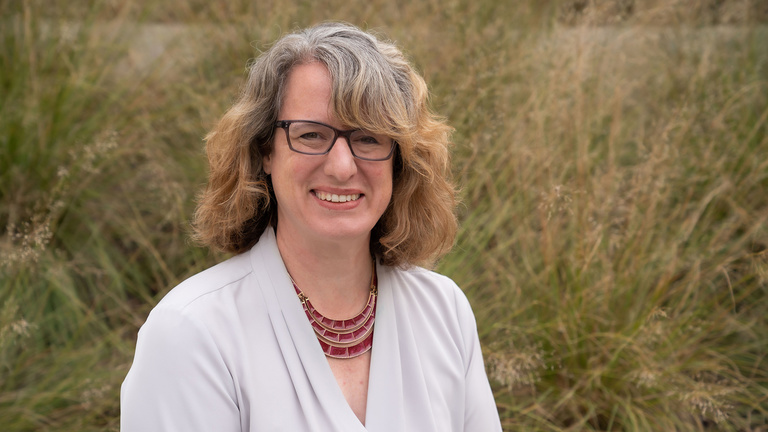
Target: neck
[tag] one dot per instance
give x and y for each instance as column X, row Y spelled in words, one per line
column 334, row 274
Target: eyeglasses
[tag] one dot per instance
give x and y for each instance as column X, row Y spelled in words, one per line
column 315, row 138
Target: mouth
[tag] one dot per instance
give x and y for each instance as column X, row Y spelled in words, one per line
column 329, row 197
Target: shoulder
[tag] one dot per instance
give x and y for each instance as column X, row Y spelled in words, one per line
column 200, row 287
column 202, row 310
column 218, row 295
column 432, row 307
column 436, row 299
column 422, row 274
column 427, row 285
column 421, row 278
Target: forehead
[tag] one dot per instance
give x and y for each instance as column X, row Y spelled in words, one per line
column 307, row 94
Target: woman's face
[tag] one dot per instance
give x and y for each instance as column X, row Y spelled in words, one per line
column 305, row 184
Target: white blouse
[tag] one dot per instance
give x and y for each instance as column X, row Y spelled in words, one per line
column 231, row 349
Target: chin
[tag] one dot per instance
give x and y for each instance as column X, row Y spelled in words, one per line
column 340, row 230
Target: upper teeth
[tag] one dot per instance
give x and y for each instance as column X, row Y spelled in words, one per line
column 336, row 198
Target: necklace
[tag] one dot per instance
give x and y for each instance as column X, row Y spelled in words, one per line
column 348, row 338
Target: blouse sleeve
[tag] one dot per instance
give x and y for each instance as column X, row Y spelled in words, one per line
column 480, row 412
column 178, row 381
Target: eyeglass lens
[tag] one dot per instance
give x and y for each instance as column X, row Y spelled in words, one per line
column 314, row 138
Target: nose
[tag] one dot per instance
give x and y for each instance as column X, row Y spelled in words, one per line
column 339, row 162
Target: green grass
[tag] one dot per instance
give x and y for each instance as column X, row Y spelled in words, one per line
column 614, row 172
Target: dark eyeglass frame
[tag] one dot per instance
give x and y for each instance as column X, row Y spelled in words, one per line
column 284, row 124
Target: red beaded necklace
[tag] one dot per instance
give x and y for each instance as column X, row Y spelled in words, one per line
column 348, row 338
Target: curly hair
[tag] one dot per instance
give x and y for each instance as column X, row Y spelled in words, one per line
column 374, row 87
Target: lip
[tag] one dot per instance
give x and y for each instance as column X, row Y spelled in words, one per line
column 346, row 205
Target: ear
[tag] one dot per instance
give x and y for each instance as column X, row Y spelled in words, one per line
column 266, row 164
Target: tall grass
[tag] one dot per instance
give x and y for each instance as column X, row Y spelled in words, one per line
column 614, row 169
column 615, row 229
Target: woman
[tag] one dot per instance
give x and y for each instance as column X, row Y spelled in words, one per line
column 329, row 180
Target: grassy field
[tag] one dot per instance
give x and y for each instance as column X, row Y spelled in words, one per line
column 614, row 172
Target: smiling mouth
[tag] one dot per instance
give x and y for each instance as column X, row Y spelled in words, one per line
column 336, row 198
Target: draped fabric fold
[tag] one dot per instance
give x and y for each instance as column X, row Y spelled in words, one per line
column 321, row 399
column 231, row 349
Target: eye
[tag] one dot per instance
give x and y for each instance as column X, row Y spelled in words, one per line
column 311, row 136
column 366, row 138
column 311, row 133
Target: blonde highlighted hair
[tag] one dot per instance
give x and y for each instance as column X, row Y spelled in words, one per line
column 373, row 87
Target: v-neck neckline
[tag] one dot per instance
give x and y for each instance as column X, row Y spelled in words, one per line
column 384, row 371
column 385, row 410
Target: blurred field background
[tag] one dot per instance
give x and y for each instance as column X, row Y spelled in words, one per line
column 613, row 157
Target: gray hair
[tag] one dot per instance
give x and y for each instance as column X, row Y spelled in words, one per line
column 373, row 87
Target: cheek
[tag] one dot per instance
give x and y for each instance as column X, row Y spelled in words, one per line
column 279, row 165
column 387, row 182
